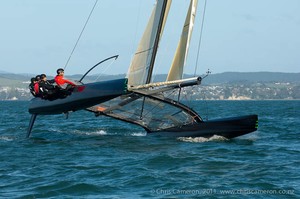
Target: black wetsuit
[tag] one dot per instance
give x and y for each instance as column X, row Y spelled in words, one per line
column 47, row 89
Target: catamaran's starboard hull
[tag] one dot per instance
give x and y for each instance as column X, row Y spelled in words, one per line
column 227, row 127
column 91, row 94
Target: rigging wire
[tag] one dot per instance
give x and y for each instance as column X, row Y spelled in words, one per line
column 160, row 103
column 104, row 70
column 134, row 40
column 200, row 39
column 199, row 45
column 205, row 104
column 96, row 1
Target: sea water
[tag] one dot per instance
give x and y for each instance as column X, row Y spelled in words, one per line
column 98, row 157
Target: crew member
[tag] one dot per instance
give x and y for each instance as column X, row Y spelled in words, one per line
column 62, row 82
column 31, row 86
column 46, row 87
column 37, row 86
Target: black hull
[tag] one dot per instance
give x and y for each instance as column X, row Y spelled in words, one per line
column 227, row 127
column 92, row 94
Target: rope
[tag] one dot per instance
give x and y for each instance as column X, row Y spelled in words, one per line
column 199, row 45
column 81, row 34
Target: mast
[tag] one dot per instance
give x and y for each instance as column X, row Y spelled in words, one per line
column 140, row 70
column 158, row 35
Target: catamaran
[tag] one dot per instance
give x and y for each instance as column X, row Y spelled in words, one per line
column 136, row 99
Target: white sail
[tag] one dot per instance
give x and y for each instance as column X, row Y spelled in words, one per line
column 179, row 60
column 142, row 64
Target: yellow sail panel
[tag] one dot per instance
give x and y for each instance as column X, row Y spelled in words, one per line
column 179, row 60
column 141, row 64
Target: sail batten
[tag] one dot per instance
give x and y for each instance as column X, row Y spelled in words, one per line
column 140, row 70
column 179, row 60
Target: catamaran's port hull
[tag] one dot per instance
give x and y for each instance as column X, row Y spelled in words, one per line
column 92, row 94
column 227, row 127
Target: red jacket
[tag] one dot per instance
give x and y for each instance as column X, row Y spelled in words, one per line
column 36, row 88
column 61, row 81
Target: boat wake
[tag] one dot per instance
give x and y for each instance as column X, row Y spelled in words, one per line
column 7, row 138
column 138, row 134
column 105, row 133
column 202, row 139
column 93, row 133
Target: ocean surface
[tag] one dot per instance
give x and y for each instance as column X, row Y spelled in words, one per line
column 98, row 157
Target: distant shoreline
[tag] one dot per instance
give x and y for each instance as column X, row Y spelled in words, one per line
column 227, row 86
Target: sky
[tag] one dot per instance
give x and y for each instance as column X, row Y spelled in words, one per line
column 37, row 36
